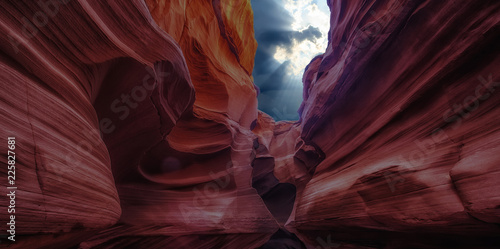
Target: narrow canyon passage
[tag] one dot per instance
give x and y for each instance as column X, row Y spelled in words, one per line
column 171, row 124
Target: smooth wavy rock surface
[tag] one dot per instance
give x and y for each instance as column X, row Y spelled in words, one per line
column 174, row 109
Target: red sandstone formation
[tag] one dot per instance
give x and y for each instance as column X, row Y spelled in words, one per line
column 396, row 146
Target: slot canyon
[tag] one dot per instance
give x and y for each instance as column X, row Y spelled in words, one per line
column 136, row 125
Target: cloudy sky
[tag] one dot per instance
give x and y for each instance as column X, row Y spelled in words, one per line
column 290, row 33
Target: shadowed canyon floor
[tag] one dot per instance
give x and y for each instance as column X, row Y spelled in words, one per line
column 136, row 126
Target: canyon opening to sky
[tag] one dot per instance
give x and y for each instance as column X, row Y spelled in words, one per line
column 289, row 33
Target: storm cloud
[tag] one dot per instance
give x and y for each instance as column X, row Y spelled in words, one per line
column 285, row 38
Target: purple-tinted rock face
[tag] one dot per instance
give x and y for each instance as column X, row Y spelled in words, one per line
column 136, row 126
column 403, row 105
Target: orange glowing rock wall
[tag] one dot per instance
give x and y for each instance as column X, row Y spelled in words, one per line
column 216, row 38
